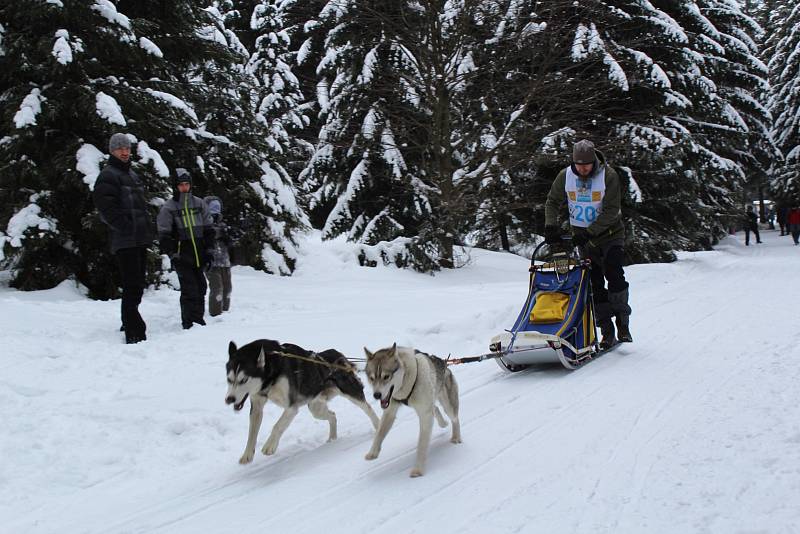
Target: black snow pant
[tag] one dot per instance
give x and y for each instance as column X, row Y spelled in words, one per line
column 219, row 293
column 795, row 229
column 747, row 230
column 607, row 264
column 193, row 293
column 132, row 264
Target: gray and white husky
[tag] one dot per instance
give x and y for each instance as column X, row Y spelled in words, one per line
column 261, row 371
column 400, row 375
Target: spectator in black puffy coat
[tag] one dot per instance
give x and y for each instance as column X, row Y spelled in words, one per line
column 119, row 198
column 185, row 234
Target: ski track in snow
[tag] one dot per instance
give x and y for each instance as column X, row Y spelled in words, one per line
column 695, row 427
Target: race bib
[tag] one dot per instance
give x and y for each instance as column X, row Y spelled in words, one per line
column 585, row 197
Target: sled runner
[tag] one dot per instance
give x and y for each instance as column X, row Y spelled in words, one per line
column 557, row 323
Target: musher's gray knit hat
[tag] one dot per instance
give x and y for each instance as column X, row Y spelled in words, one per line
column 118, row 140
column 583, row 152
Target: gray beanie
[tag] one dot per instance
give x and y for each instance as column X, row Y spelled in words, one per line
column 118, row 140
column 583, row 152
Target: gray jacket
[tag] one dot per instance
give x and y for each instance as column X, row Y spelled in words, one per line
column 185, row 230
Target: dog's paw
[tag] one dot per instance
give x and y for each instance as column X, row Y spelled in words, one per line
column 246, row 458
column 416, row 472
column 455, row 439
column 269, row 448
column 371, row 455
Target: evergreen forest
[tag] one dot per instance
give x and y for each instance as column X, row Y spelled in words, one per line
column 412, row 128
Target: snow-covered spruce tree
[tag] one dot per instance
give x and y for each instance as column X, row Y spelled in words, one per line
column 713, row 175
column 236, row 16
column 589, row 69
column 391, row 163
column 306, row 35
column 244, row 165
column 280, row 109
column 72, row 73
column 784, row 101
column 671, row 107
column 742, row 82
column 63, row 88
column 539, row 90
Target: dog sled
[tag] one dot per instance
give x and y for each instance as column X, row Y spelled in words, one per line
column 557, row 322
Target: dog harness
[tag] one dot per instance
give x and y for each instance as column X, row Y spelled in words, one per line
column 407, row 389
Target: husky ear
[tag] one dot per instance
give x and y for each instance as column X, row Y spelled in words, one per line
column 368, row 353
column 262, row 359
column 232, row 349
column 393, row 350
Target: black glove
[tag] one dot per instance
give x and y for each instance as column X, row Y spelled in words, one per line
column 580, row 240
column 552, row 235
column 166, row 245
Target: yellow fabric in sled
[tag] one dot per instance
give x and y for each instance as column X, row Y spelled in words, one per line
column 550, row 307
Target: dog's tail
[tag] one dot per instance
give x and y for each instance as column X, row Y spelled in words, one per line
column 346, row 380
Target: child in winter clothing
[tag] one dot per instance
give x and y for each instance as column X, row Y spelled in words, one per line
column 219, row 272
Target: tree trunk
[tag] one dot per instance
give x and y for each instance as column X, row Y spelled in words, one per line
column 503, row 232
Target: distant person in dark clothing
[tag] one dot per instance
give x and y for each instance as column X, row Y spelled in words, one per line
column 781, row 213
column 120, row 200
column 751, row 225
column 219, row 275
column 185, row 234
column 793, row 223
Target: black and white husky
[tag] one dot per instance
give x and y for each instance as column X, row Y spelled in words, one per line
column 267, row 370
column 400, row 375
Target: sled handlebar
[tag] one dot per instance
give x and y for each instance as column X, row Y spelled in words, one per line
column 564, row 239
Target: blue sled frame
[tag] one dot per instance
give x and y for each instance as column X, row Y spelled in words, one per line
column 571, row 342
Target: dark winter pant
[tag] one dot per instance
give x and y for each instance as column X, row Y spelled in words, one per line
column 607, row 262
column 795, row 229
column 132, row 267
column 747, row 231
column 193, row 294
column 219, row 294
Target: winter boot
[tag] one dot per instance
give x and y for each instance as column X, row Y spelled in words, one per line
column 608, row 339
column 622, row 311
column 623, row 329
column 603, row 314
column 131, row 338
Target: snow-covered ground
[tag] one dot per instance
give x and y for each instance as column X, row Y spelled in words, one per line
column 695, row 427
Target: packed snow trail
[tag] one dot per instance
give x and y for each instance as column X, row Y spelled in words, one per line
column 695, row 427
